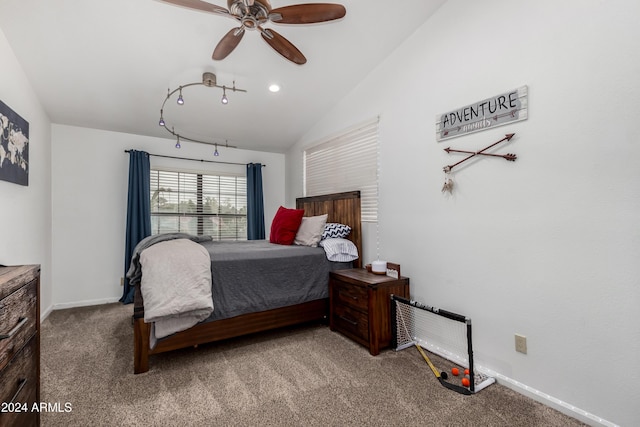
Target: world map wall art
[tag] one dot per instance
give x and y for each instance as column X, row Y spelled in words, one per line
column 14, row 146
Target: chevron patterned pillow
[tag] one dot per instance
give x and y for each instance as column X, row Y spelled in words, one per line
column 335, row 230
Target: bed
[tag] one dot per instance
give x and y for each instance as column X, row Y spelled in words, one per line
column 342, row 208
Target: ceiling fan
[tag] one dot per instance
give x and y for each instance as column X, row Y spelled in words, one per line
column 253, row 14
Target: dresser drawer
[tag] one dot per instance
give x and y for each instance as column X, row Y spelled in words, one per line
column 18, row 320
column 18, row 388
column 350, row 321
column 353, row 296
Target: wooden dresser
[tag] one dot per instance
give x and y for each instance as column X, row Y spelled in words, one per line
column 19, row 345
column 359, row 304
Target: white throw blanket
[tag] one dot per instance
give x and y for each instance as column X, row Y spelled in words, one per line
column 175, row 286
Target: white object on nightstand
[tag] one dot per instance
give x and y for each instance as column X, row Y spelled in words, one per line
column 379, row 267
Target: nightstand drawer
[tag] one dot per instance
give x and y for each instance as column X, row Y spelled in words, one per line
column 351, row 321
column 353, row 296
column 18, row 321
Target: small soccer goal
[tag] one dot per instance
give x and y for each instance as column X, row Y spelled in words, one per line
column 443, row 333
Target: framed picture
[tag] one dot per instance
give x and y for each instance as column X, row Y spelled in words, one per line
column 14, row 146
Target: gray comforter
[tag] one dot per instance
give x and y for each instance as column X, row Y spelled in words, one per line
column 251, row 276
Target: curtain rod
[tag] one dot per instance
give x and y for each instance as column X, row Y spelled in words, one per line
column 194, row 160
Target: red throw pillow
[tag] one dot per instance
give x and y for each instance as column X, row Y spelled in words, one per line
column 285, row 225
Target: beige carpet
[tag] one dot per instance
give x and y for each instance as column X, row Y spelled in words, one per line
column 299, row 376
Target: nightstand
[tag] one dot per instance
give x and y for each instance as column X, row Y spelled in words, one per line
column 359, row 305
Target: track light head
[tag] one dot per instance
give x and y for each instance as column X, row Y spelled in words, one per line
column 224, row 99
column 180, row 99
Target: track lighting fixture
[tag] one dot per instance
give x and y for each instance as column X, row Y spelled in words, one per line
column 208, row 80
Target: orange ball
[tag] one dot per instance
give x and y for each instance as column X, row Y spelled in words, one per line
column 455, row 371
column 465, row 382
column 466, row 372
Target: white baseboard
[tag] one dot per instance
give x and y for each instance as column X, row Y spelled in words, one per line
column 86, row 303
column 46, row 312
column 545, row 399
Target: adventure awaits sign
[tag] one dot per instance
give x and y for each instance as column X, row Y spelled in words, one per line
column 496, row 111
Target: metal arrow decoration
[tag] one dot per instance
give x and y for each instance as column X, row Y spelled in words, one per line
column 510, row 157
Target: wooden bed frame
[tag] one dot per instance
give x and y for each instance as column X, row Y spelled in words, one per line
column 342, row 208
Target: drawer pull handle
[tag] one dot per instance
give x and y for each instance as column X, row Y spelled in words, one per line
column 352, row 322
column 23, row 321
column 23, row 382
column 353, row 297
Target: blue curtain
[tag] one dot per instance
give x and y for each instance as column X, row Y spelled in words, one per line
column 138, row 212
column 255, row 205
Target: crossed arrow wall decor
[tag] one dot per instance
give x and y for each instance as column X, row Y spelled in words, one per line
column 448, row 183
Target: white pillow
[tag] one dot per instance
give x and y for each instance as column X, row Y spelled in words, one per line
column 310, row 230
column 340, row 250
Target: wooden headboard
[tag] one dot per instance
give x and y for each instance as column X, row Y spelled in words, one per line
column 343, row 208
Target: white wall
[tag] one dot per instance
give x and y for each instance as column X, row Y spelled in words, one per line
column 89, row 191
column 547, row 246
column 25, row 211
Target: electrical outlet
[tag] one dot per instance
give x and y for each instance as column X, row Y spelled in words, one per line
column 122, row 281
column 521, row 344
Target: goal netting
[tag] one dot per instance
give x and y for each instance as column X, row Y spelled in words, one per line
column 440, row 332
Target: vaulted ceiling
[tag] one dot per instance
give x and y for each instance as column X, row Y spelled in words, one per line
column 109, row 64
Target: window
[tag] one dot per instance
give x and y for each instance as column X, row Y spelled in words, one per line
column 199, row 204
column 346, row 162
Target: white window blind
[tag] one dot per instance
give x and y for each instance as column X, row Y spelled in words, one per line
column 199, row 204
column 346, row 162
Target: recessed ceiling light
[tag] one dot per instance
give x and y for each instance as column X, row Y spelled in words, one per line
column 274, row 88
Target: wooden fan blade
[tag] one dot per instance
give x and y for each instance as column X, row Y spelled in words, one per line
column 308, row 13
column 283, row 46
column 200, row 5
column 228, row 43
